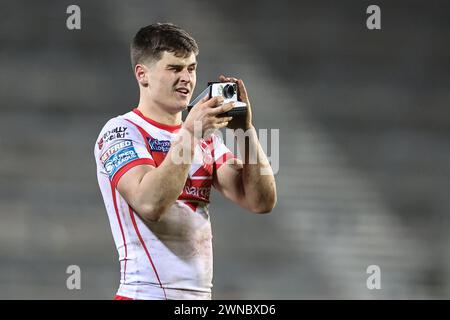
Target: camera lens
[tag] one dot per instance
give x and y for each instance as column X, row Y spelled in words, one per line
column 229, row 91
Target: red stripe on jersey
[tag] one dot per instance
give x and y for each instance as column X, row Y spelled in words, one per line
column 117, row 297
column 188, row 197
column 130, row 165
column 158, row 157
column 203, row 171
column 113, row 191
column 224, row 158
column 145, row 248
column 191, row 205
column 198, row 183
column 157, row 124
column 196, row 190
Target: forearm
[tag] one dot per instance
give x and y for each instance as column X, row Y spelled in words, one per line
column 161, row 187
column 258, row 181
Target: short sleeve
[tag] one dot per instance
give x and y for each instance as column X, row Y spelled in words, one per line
column 221, row 152
column 121, row 147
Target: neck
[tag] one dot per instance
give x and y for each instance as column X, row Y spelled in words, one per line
column 156, row 113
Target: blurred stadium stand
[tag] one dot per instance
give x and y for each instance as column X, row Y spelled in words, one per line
column 363, row 115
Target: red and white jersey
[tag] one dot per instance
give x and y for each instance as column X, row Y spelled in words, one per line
column 172, row 258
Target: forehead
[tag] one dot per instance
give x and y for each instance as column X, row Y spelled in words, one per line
column 170, row 58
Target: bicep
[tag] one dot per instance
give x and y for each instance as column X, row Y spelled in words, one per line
column 129, row 184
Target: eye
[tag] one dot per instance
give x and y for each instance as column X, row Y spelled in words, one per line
column 176, row 69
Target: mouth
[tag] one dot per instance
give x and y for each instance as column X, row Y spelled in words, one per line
column 183, row 91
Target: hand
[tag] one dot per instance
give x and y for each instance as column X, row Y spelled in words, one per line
column 204, row 116
column 242, row 96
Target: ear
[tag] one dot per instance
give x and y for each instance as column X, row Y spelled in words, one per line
column 140, row 72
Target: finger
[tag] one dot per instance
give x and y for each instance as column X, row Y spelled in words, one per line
column 202, row 100
column 223, row 119
column 224, row 108
column 213, row 102
column 223, row 78
column 221, row 125
column 242, row 91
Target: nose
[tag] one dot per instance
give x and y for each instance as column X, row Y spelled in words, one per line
column 185, row 76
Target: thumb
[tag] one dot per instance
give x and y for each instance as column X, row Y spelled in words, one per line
column 202, row 100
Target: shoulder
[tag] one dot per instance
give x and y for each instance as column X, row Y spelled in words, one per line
column 114, row 130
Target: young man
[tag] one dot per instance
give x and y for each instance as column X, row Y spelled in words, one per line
column 158, row 205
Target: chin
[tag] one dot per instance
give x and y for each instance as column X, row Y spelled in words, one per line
column 180, row 107
column 183, row 105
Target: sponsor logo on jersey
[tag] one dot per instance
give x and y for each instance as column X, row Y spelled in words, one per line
column 115, row 148
column 116, row 133
column 117, row 156
column 100, row 144
column 202, row 192
column 159, row 145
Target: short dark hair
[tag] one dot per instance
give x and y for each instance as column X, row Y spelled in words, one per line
column 151, row 41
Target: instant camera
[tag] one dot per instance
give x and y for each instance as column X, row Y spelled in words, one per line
column 229, row 92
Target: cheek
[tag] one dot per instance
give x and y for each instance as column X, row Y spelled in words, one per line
column 160, row 84
column 168, row 81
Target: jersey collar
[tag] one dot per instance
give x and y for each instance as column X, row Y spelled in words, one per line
column 163, row 126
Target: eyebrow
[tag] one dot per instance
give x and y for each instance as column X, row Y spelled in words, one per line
column 180, row 65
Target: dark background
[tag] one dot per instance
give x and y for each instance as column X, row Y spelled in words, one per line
column 364, row 152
